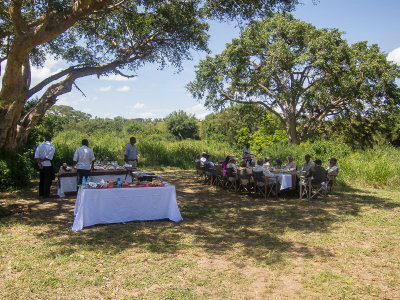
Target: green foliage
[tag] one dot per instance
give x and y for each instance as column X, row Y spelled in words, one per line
column 182, row 125
column 15, row 170
column 301, row 74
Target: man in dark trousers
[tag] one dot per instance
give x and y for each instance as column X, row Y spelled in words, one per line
column 43, row 156
column 83, row 160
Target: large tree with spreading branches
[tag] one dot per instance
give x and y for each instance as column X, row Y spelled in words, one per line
column 301, row 74
column 97, row 37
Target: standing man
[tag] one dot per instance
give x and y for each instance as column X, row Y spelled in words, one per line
column 246, row 150
column 43, row 156
column 130, row 153
column 83, row 160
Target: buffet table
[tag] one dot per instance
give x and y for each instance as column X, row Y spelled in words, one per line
column 117, row 205
column 67, row 180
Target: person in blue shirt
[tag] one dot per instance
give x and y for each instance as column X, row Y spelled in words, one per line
column 208, row 164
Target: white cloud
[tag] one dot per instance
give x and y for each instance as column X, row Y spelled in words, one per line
column 138, row 106
column 114, row 77
column 105, row 88
column 125, row 88
column 147, row 115
column 198, row 110
column 394, row 56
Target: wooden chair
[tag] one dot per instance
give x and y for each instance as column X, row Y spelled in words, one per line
column 219, row 176
column 231, row 179
column 312, row 190
column 265, row 185
column 245, row 180
column 210, row 177
column 331, row 179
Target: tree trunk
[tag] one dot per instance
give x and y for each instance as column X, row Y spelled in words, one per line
column 292, row 130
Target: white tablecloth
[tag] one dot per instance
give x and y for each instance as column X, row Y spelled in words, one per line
column 285, row 180
column 68, row 184
column 105, row 206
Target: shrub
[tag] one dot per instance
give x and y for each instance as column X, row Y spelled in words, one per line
column 15, row 170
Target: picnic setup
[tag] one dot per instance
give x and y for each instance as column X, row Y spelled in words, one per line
column 199, row 149
column 268, row 180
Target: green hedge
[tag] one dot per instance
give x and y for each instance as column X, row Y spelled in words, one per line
column 15, row 170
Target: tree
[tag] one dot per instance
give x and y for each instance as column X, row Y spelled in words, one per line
column 182, row 125
column 301, row 74
column 99, row 38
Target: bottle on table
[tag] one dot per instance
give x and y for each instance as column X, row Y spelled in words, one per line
column 118, row 182
column 83, row 181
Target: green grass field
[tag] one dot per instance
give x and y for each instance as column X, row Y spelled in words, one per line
column 229, row 246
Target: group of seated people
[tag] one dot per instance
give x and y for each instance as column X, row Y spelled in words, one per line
column 310, row 169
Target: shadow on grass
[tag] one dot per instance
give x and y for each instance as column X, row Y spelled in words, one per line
column 216, row 221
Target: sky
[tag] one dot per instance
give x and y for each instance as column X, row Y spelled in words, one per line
column 156, row 93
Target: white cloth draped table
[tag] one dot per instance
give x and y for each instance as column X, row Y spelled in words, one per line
column 117, row 205
column 67, row 180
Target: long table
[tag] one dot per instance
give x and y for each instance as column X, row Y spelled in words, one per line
column 118, row 205
column 67, row 180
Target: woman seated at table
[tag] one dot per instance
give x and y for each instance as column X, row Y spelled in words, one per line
column 290, row 165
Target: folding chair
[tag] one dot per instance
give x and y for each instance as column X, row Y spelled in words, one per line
column 200, row 171
column 219, row 176
column 331, row 179
column 210, row 178
column 245, row 180
column 313, row 189
column 231, row 179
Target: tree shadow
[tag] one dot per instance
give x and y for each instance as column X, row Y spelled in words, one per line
column 214, row 220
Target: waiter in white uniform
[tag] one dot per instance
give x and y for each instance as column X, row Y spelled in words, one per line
column 43, row 155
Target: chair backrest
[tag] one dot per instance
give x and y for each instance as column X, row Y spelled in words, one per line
column 218, row 170
column 207, row 167
column 258, row 176
column 230, row 172
column 242, row 173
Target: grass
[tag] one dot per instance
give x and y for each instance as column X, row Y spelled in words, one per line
column 229, row 246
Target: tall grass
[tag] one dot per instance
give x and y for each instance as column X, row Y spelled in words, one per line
column 377, row 167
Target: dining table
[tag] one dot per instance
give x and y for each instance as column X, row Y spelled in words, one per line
column 67, row 178
column 120, row 205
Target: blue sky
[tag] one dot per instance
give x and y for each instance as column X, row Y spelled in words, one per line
column 155, row 94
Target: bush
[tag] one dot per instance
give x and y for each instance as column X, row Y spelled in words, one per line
column 15, row 170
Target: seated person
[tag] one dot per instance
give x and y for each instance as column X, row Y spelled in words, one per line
column 203, row 158
column 260, row 168
column 267, row 162
column 333, row 169
column 317, row 173
column 231, row 168
column 290, row 165
column 249, row 161
column 278, row 164
column 243, row 164
column 224, row 164
column 308, row 164
column 209, row 165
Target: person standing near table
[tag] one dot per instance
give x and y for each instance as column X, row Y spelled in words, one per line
column 43, row 155
column 130, row 153
column 246, row 150
column 83, row 160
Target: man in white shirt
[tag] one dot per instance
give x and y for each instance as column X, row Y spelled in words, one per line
column 83, row 160
column 43, row 155
column 130, row 153
column 308, row 164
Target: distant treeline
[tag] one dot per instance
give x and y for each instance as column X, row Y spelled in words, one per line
column 164, row 143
